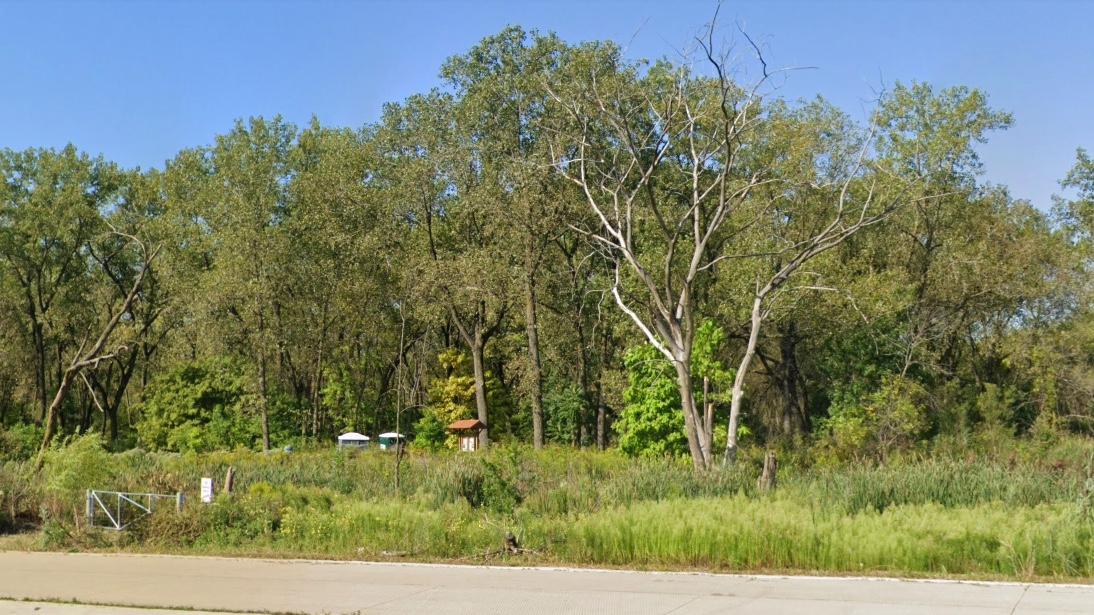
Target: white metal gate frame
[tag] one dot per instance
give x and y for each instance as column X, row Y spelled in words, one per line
column 144, row 502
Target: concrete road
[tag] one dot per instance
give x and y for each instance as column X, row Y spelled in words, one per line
column 10, row 607
column 296, row 586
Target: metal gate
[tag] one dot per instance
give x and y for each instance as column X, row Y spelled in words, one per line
column 116, row 510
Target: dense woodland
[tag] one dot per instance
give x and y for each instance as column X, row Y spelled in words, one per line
column 575, row 247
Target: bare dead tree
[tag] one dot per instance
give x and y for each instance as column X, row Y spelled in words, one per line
column 667, row 158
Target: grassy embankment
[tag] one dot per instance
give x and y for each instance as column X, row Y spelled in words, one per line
column 1027, row 518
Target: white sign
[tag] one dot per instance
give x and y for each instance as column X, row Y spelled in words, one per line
column 207, row 490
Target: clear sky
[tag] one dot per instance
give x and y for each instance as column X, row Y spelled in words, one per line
column 137, row 81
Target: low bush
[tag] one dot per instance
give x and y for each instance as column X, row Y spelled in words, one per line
column 69, row 469
column 20, row 442
column 20, row 497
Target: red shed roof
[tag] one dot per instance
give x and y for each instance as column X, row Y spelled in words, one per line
column 467, row 424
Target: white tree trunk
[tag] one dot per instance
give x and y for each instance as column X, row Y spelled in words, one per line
column 739, row 382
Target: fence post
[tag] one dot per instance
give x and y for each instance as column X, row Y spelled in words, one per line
column 89, row 508
column 180, row 500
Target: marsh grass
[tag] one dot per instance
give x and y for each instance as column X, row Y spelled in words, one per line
column 948, row 483
column 741, row 533
column 918, row 516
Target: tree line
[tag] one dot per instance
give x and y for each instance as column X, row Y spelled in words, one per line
column 571, row 246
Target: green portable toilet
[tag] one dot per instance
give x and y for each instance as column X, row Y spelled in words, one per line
column 388, row 440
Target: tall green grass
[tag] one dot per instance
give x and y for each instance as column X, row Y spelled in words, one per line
column 948, row 483
column 730, row 533
column 565, row 481
column 740, row 533
column 926, row 516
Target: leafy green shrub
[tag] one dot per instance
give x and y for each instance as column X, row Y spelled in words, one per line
column 1045, row 432
column 563, row 406
column 239, row 520
column 54, row 535
column 70, row 468
column 430, row 432
column 894, row 417
column 652, row 423
column 20, row 441
column 20, row 495
column 994, row 408
column 486, row 484
column 199, row 407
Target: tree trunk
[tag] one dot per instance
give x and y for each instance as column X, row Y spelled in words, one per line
column 265, row 401
column 583, row 378
column 85, row 415
column 792, row 420
column 532, row 326
column 316, row 398
column 114, row 406
column 386, row 375
column 601, row 405
column 687, row 400
column 54, row 410
column 708, row 420
column 739, row 383
column 317, row 380
column 477, row 348
column 767, row 480
column 601, row 418
column 39, row 366
column 112, row 403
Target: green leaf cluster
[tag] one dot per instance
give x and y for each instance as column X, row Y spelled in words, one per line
column 199, row 406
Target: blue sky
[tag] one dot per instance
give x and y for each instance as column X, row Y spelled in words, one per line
column 137, row 81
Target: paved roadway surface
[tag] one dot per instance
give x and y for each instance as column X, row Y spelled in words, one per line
column 296, row 586
column 10, row 607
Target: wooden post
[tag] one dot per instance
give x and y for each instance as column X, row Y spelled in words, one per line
column 229, row 480
column 767, row 479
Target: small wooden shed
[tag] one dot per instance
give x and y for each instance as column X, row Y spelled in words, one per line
column 468, row 432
